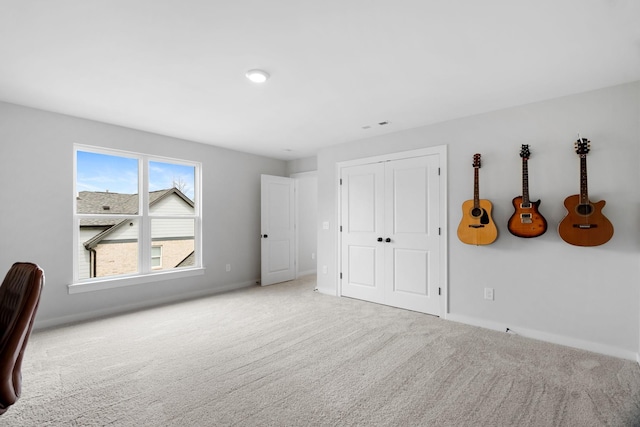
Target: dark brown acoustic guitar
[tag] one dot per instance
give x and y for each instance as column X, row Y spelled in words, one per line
column 477, row 226
column 526, row 221
column 584, row 224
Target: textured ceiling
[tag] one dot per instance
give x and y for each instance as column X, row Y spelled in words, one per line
column 176, row 67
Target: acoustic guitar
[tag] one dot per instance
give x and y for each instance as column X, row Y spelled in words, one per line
column 477, row 226
column 526, row 221
column 584, row 224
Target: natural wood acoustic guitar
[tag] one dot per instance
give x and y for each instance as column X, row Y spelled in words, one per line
column 584, row 224
column 526, row 221
column 477, row 226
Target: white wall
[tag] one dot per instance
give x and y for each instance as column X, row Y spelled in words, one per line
column 303, row 170
column 306, row 186
column 305, row 164
column 36, row 167
column 544, row 288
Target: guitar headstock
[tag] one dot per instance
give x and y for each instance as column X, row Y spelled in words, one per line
column 524, row 152
column 582, row 146
column 476, row 160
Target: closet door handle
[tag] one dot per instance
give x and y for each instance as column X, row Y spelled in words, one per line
column 379, row 239
column 387, row 240
column 265, row 235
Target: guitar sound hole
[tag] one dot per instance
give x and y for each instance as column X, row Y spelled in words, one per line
column 476, row 212
column 584, row 209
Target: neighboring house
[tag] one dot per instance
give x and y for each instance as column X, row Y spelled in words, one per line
column 109, row 247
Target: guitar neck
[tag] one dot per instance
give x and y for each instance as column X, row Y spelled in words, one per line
column 476, row 189
column 584, row 193
column 525, row 181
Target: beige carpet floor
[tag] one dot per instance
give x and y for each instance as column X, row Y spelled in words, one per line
column 285, row 355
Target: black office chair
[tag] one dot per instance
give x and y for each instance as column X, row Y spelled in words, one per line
column 19, row 299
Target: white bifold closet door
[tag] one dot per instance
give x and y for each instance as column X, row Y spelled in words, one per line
column 390, row 246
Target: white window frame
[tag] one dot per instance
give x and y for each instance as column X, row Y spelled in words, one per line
column 145, row 272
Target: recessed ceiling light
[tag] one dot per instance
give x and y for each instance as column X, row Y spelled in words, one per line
column 257, row 76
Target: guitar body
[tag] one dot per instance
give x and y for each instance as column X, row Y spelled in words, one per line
column 526, row 221
column 584, row 224
column 477, row 226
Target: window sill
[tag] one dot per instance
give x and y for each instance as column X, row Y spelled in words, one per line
column 118, row 282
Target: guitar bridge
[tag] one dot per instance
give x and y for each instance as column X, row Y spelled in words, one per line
column 525, row 218
column 476, row 225
column 585, row 226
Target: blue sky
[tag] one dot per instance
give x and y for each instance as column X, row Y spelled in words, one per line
column 102, row 172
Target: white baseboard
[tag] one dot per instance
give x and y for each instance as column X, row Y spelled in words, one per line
column 547, row 337
column 306, row 273
column 80, row 317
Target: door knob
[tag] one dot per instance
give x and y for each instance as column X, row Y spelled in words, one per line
column 379, row 239
column 387, row 240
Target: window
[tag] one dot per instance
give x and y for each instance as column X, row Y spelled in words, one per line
column 156, row 257
column 134, row 215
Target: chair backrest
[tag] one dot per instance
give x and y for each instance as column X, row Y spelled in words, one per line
column 19, row 298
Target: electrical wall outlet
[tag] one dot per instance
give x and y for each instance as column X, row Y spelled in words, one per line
column 488, row 294
column 228, row 267
column 325, row 269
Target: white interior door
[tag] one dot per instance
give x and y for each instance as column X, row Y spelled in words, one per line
column 412, row 219
column 390, row 249
column 277, row 230
column 362, row 201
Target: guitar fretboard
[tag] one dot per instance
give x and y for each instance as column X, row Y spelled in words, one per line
column 476, row 189
column 525, row 181
column 584, row 193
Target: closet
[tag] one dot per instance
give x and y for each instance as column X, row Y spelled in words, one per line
column 391, row 231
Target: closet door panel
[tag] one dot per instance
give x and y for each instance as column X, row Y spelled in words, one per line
column 411, row 224
column 410, row 272
column 362, row 201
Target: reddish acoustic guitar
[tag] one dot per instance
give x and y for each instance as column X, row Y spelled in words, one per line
column 584, row 224
column 526, row 221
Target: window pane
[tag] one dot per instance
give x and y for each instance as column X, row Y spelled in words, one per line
column 164, row 177
column 106, row 184
column 156, row 257
column 107, row 247
column 176, row 236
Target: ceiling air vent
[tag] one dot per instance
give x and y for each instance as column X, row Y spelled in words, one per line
column 384, row 123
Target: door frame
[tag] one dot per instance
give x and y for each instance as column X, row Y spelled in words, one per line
column 441, row 150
